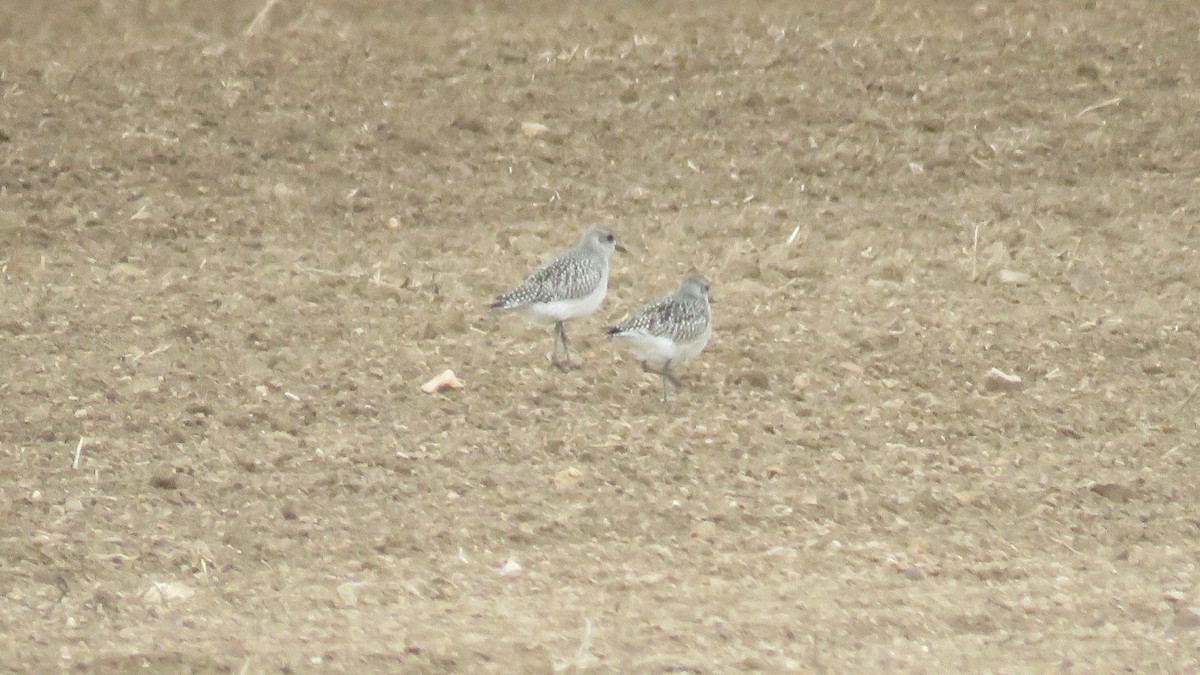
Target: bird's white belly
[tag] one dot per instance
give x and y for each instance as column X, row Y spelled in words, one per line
column 657, row 351
column 654, row 351
column 549, row 313
column 688, row 350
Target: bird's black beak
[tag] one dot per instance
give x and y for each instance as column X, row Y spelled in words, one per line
column 620, row 248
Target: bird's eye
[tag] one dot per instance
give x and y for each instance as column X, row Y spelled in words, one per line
column 609, row 237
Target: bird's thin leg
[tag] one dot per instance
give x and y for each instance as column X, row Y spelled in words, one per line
column 562, row 332
column 668, row 376
column 554, row 354
column 665, row 375
column 666, row 371
column 560, row 336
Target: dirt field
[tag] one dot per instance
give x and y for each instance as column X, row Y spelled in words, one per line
column 228, row 261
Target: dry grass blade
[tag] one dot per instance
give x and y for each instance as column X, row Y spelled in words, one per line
column 260, row 19
column 78, row 452
column 1098, row 106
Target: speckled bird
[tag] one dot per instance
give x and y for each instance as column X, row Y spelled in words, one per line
column 670, row 330
column 569, row 286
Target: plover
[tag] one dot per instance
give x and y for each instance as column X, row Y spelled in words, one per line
column 670, row 330
column 571, row 285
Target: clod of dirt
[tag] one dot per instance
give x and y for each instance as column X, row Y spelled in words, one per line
column 164, row 592
column 998, row 380
column 1187, row 617
column 637, row 193
column 755, row 379
column 568, row 478
column 1114, row 492
column 347, row 592
column 533, row 129
column 802, row 382
column 754, row 100
column 510, row 568
column 165, row 480
column 1175, row 598
column 1087, row 281
column 126, row 272
column 442, row 382
column 706, row 530
column 471, row 124
column 106, row 601
column 852, row 368
column 1012, row 277
column 288, row 511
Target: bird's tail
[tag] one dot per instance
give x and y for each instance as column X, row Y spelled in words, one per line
column 501, row 302
column 613, row 331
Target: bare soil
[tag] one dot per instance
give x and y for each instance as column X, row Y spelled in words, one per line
column 230, row 257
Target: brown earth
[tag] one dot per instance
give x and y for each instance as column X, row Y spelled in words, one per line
column 229, row 261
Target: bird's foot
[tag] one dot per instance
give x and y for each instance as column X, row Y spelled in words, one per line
column 564, row 365
column 664, row 373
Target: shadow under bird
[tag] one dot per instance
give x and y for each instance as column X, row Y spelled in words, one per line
column 569, row 286
column 671, row 330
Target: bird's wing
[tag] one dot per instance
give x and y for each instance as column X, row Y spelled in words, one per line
column 566, row 277
column 667, row 317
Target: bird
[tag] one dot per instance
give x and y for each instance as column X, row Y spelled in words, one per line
column 568, row 286
column 671, row 330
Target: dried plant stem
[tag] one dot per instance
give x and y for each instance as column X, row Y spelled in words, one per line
column 1097, row 106
column 78, row 452
column 260, row 18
